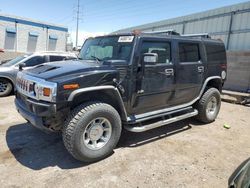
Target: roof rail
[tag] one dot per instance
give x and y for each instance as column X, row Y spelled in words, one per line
column 168, row 32
column 202, row 35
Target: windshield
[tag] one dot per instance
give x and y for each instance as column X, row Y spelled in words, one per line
column 107, row 48
column 14, row 61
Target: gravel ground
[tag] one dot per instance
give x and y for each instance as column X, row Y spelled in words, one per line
column 183, row 154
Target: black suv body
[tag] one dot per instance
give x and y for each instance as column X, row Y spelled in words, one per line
column 132, row 81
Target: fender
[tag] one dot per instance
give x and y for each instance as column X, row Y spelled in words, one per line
column 205, row 85
column 9, row 78
column 115, row 91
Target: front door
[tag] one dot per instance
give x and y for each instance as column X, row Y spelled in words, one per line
column 156, row 86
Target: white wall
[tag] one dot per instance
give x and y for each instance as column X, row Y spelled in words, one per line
column 25, row 43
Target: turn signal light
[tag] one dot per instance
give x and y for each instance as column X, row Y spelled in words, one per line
column 71, row 86
column 46, row 92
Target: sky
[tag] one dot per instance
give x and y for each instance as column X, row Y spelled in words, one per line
column 105, row 16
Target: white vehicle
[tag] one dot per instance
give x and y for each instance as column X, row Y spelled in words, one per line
column 8, row 70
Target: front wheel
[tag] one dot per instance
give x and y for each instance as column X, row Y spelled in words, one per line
column 5, row 87
column 209, row 105
column 92, row 131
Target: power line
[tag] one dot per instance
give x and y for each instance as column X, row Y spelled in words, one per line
column 77, row 20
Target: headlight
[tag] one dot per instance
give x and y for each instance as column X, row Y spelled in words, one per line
column 46, row 91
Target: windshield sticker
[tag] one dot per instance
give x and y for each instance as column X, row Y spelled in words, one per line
column 126, row 39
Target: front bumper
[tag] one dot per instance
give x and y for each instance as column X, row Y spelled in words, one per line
column 35, row 112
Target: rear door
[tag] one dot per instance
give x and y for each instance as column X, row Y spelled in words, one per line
column 156, row 87
column 190, row 71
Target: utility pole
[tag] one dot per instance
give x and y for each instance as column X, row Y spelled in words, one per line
column 77, row 20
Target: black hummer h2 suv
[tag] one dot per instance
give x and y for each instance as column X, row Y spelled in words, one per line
column 134, row 81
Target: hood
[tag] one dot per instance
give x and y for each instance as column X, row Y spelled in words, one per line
column 5, row 69
column 55, row 70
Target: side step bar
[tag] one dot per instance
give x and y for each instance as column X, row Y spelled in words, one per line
column 143, row 128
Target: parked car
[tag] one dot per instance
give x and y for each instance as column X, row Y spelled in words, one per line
column 9, row 69
column 241, row 176
column 133, row 81
column 1, row 51
column 4, row 61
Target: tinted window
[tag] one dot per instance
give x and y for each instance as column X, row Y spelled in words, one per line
column 14, row 61
column 215, row 52
column 107, row 48
column 35, row 61
column 57, row 58
column 189, row 52
column 162, row 49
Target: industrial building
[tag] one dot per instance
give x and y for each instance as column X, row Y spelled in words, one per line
column 19, row 34
column 230, row 24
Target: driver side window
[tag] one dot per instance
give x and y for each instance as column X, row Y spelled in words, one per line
column 162, row 49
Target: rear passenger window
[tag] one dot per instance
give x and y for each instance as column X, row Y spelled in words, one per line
column 162, row 49
column 57, row 58
column 215, row 52
column 189, row 52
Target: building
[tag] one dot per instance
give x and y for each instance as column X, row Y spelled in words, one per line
column 19, row 34
column 230, row 23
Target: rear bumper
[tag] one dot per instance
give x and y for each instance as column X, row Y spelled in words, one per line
column 35, row 120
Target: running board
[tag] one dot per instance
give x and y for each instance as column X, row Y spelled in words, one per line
column 161, row 123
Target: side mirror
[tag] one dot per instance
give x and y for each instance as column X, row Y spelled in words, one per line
column 21, row 65
column 150, row 58
column 241, row 176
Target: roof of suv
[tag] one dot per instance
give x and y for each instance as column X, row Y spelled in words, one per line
column 164, row 35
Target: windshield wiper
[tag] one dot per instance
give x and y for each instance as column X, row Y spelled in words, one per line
column 98, row 60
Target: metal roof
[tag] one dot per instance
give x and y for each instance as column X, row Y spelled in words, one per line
column 193, row 17
column 28, row 21
column 230, row 24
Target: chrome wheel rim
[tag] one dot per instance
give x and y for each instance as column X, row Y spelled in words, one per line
column 3, row 87
column 97, row 133
column 212, row 106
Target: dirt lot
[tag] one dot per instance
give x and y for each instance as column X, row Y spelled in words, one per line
column 184, row 154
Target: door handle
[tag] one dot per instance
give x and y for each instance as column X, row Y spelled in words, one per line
column 140, row 91
column 201, row 69
column 169, row 72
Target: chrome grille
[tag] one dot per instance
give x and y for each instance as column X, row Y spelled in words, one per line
column 25, row 86
column 32, row 87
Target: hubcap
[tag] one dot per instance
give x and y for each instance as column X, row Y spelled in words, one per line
column 3, row 87
column 212, row 106
column 97, row 133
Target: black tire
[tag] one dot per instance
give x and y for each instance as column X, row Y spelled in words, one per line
column 6, row 87
column 206, row 114
column 77, row 123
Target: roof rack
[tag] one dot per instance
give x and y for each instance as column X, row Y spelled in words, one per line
column 168, row 32
column 201, row 35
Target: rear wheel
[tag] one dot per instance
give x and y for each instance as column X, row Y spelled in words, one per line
column 5, row 87
column 209, row 105
column 92, row 131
